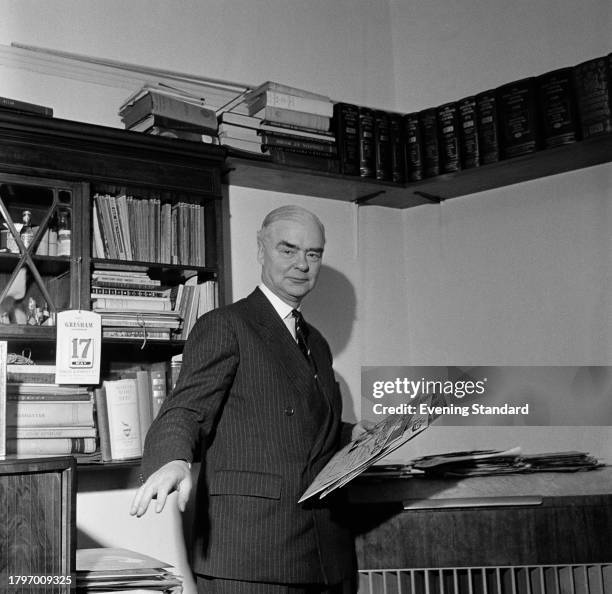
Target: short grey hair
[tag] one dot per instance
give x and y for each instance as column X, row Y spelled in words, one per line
column 291, row 212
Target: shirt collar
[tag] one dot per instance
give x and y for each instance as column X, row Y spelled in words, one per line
column 282, row 309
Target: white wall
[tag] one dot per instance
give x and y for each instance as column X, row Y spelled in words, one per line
column 517, row 275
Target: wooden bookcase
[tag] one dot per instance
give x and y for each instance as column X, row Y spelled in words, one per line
column 47, row 164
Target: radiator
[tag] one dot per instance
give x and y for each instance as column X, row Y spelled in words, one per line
column 593, row 578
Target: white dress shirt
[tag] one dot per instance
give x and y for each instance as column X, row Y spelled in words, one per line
column 281, row 308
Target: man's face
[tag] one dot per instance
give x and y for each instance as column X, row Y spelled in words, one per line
column 290, row 256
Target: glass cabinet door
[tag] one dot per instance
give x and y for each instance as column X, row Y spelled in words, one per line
column 36, row 250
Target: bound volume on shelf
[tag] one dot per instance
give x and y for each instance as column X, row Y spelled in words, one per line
column 382, row 145
column 593, row 81
column 345, row 124
column 396, row 135
column 487, row 122
column 413, row 153
column 157, row 101
column 518, row 120
column 468, row 133
column 558, row 113
column 367, row 148
column 448, row 130
column 430, row 141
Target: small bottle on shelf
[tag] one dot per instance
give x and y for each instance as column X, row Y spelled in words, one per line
column 26, row 232
column 63, row 234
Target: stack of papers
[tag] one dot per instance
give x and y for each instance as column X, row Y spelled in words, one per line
column 121, row 570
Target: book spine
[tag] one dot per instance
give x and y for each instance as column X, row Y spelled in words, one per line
column 487, row 120
column 117, row 228
column 123, row 421
column 556, row 100
column 297, row 142
column 431, row 151
column 272, row 98
column 278, row 115
column 25, row 107
column 59, row 445
column 139, row 333
column 367, row 148
column 102, row 424
column 345, row 124
column 301, row 151
column 468, row 133
column 49, row 414
column 21, row 397
column 31, row 378
column 448, row 129
column 396, row 133
column 114, row 303
column 518, row 118
column 158, row 380
column 114, row 290
column 173, row 108
column 295, row 129
column 382, row 146
column 281, row 88
column 413, row 153
column 47, row 432
column 594, row 96
column 309, row 161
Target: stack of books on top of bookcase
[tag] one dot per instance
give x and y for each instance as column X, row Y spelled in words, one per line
column 147, row 230
column 162, row 111
column 44, row 418
column 290, row 125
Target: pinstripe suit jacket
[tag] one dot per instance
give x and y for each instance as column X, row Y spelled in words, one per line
column 247, row 397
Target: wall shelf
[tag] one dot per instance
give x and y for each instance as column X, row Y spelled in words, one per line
column 265, row 175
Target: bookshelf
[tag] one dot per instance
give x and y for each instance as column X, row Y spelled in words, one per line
column 264, row 175
column 55, row 168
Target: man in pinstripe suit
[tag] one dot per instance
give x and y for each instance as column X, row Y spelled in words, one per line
column 266, row 414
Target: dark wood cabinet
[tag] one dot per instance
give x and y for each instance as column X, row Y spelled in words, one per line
column 37, row 525
column 512, row 527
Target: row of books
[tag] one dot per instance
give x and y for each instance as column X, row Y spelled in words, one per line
column 518, row 118
column 300, row 128
column 108, row 423
column 133, row 305
column 125, row 409
column 147, row 230
column 47, row 419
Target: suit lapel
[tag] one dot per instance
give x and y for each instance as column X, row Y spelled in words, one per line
column 279, row 341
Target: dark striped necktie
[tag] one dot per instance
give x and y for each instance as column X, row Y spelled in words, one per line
column 301, row 334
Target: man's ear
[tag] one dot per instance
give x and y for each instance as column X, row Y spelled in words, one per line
column 260, row 249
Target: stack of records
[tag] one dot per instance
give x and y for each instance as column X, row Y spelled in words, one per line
column 122, row 570
column 471, row 463
column 560, row 462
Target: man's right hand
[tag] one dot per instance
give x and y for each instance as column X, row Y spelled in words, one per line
column 173, row 476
